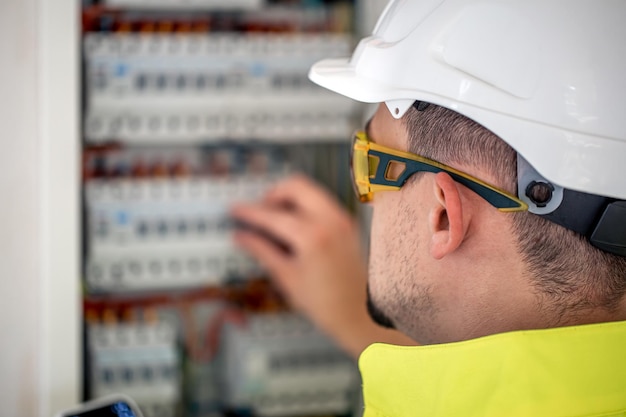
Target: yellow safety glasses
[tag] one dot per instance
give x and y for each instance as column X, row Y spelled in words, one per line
column 379, row 168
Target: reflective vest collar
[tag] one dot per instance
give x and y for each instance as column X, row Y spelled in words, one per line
column 569, row 371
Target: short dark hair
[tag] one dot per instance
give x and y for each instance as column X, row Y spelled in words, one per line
column 568, row 272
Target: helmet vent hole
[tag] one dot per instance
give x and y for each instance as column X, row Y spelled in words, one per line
column 540, row 193
column 397, row 111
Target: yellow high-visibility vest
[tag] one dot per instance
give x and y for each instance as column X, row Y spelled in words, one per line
column 563, row 372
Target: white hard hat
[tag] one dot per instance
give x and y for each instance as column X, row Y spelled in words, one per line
column 548, row 77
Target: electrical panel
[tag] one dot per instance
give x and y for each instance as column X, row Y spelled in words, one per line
column 190, row 106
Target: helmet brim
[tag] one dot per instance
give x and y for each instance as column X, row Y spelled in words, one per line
column 340, row 76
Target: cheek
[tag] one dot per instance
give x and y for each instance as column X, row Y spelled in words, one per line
column 391, row 245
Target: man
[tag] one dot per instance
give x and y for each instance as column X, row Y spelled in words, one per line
column 494, row 165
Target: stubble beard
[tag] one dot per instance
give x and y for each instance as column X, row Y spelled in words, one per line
column 399, row 296
column 376, row 313
column 407, row 306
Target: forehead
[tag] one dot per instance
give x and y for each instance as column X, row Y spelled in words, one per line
column 386, row 130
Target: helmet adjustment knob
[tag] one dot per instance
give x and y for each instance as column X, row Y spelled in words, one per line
column 539, row 192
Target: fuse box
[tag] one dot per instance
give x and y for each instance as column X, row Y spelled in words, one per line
column 188, row 107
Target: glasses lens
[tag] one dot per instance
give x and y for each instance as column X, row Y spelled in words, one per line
column 359, row 169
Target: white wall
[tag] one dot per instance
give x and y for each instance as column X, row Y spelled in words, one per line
column 39, row 301
column 19, row 223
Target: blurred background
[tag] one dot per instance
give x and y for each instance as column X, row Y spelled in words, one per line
column 129, row 128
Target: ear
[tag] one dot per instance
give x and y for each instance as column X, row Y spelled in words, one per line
column 446, row 222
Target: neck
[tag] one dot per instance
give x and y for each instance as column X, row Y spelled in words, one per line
column 578, row 309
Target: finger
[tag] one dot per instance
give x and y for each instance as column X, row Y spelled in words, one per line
column 303, row 195
column 274, row 260
column 283, row 226
column 247, row 227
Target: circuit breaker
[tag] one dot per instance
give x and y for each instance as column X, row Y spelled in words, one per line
column 280, row 365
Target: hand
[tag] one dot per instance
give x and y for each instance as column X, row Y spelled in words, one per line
column 318, row 265
column 311, row 247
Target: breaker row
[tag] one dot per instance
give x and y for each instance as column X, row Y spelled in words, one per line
column 199, row 89
column 166, row 270
column 186, row 4
column 264, row 46
column 140, row 359
column 144, row 360
column 197, row 127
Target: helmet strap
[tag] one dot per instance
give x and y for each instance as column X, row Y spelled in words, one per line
column 420, row 105
column 601, row 220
